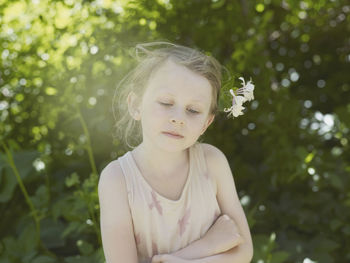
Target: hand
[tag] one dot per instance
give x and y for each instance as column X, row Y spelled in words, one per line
column 167, row 258
column 224, row 234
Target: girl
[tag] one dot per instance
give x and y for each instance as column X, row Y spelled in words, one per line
column 171, row 198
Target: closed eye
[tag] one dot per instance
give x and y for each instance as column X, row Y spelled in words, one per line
column 166, row 104
column 193, row 111
column 169, row 104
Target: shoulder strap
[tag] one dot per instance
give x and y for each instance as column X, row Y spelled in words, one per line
column 203, row 166
column 128, row 173
column 198, row 153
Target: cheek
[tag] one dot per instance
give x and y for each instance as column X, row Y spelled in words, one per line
column 158, row 112
column 196, row 124
column 154, row 114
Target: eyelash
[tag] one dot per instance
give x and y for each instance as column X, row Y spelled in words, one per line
column 168, row 104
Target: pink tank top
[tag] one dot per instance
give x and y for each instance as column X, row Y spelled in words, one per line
column 162, row 225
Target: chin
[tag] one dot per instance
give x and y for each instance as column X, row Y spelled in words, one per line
column 172, row 145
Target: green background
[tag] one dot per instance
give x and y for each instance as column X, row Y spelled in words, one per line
column 289, row 153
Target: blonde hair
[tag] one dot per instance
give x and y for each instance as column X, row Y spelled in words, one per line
column 127, row 129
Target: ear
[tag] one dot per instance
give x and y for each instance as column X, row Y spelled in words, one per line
column 133, row 106
column 210, row 119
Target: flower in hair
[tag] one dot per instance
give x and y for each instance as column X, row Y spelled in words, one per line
column 237, row 101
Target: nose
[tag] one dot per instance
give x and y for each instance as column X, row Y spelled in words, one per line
column 176, row 120
column 177, row 117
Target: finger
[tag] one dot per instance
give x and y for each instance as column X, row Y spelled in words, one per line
column 157, row 259
column 239, row 238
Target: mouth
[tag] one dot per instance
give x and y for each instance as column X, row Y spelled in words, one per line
column 173, row 134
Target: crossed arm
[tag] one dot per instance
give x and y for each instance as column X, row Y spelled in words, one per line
column 237, row 254
column 220, row 244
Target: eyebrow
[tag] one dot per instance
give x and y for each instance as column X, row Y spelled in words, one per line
column 196, row 100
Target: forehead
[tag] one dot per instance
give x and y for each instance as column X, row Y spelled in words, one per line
column 177, row 80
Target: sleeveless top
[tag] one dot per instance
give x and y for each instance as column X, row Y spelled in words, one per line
column 162, row 225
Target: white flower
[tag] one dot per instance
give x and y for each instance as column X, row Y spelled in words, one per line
column 246, row 90
column 237, row 107
column 237, row 101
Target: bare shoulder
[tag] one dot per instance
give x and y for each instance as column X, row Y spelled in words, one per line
column 111, row 176
column 212, row 151
column 214, row 158
column 112, row 186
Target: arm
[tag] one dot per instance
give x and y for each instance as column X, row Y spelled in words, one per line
column 116, row 223
column 229, row 204
column 238, row 254
column 222, row 236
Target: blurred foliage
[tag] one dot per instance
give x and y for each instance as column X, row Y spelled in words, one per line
column 61, row 60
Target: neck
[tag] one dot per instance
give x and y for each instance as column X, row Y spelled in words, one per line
column 161, row 164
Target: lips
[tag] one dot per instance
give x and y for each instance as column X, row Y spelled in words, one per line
column 173, row 133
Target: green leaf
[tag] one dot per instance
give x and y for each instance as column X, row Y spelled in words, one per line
column 28, row 237
column 50, row 233
column 41, row 197
column 323, row 244
column 24, row 162
column 43, row 259
column 335, row 224
column 4, row 259
column 71, row 180
column 80, row 259
column 279, row 257
column 8, row 183
column 336, row 181
column 84, row 247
